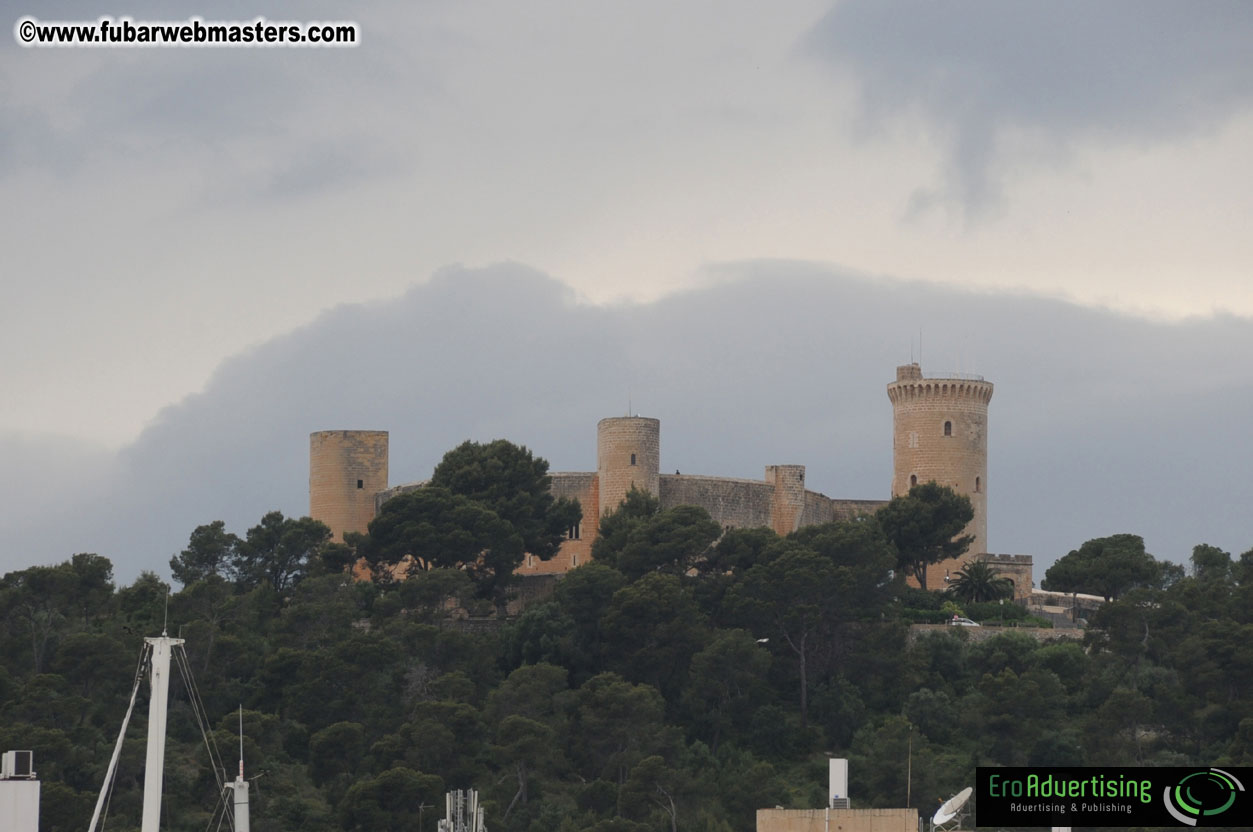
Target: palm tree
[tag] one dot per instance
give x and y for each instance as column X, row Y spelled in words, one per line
column 977, row 581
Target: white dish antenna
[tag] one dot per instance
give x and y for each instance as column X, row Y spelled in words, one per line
column 951, row 807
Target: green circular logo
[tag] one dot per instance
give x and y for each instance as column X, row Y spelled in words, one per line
column 1201, row 795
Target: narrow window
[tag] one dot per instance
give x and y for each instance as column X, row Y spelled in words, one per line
column 913, row 480
column 978, row 485
column 577, row 530
column 574, row 560
column 632, row 459
column 948, row 428
column 360, row 483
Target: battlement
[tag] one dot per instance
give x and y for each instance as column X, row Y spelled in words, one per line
column 911, row 384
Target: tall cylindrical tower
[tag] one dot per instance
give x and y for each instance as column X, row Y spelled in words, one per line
column 940, row 432
column 628, row 453
column 346, row 469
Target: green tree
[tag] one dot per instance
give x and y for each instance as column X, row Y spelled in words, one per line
column 211, row 550
column 674, row 540
column 512, row 483
column 440, row 529
column 651, row 630
column 926, row 526
column 390, row 801
column 526, row 745
column 35, row 601
column 1106, row 566
column 793, row 596
column 652, row 787
column 726, row 683
column 1211, row 564
column 978, row 581
column 617, row 724
column 279, row 551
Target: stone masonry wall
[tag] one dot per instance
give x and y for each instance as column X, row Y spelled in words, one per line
column 577, row 548
column 732, row 503
column 837, row 820
column 787, row 504
column 346, row 469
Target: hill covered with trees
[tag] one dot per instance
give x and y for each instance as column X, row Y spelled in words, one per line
column 684, row 679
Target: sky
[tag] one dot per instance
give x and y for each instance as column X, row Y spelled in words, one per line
column 698, row 206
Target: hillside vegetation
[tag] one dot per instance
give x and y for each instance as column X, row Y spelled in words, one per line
column 683, row 680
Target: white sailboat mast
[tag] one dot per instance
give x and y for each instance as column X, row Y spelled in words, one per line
column 154, row 768
column 239, row 789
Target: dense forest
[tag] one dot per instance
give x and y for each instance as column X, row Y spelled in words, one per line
column 687, row 677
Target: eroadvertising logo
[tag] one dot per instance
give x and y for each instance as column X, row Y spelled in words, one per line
column 1126, row 796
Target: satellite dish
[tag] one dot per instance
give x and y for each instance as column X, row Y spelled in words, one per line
column 951, row 807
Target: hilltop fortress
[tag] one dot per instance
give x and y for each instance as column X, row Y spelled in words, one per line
column 940, row 432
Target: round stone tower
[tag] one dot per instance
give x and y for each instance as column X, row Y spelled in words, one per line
column 628, row 453
column 346, row 469
column 940, row 432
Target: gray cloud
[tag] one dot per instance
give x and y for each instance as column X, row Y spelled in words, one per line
column 1100, row 423
column 1112, row 71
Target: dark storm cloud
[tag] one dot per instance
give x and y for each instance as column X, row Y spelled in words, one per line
column 1100, row 423
column 1111, row 71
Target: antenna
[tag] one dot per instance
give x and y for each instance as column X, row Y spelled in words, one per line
column 165, row 625
column 241, row 740
column 920, row 346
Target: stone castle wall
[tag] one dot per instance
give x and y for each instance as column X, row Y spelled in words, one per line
column 732, row 503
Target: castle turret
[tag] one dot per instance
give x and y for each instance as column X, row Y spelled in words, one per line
column 346, row 469
column 940, row 432
column 628, row 453
column 787, row 504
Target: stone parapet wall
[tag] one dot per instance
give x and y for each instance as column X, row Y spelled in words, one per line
column 848, row 509
column 732, row 503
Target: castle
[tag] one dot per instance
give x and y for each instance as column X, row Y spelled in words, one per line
column 940, row 432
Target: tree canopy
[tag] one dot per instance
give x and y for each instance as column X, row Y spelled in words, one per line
column 514, row 484
column 926, row 526
column 1106, row 566
column 686, row 694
